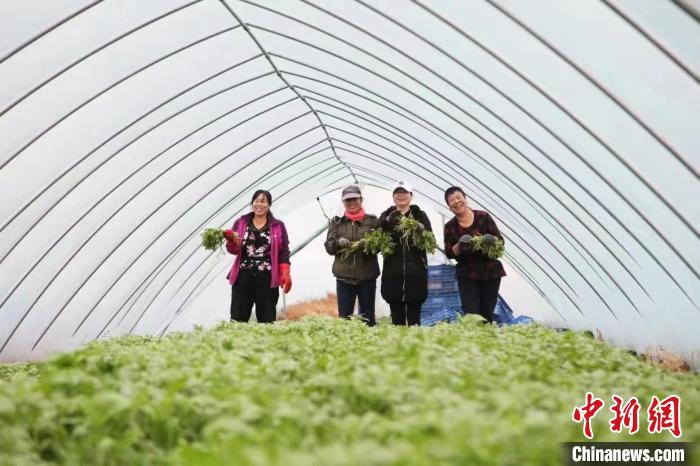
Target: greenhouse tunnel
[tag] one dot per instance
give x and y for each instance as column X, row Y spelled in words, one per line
column 127, row 127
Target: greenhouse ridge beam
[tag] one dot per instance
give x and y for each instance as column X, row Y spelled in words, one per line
column 279, row 74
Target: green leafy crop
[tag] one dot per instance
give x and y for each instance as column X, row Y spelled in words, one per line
column 325, row 392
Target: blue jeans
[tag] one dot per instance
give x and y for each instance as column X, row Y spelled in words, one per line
column 365, row 292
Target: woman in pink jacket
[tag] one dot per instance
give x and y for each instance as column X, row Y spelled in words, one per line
column 261, row 246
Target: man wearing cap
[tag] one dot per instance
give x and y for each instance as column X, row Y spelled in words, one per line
column 405, row 273
column 356, row 275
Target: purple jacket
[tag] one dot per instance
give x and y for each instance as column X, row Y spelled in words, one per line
column 279, row 247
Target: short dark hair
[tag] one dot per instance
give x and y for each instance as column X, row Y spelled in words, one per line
column 267, row 195
column 451, row 190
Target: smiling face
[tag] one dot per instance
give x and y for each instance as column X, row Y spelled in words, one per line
column 261, row 206
column 402, row 199
column 353, row 205
column 458, row 203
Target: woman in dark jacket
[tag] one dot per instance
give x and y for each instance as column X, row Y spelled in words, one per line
column 261, row 246
column 405, row 273
column 356, row 276
column 478, row 276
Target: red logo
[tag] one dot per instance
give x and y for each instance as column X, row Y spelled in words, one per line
column 662, row 415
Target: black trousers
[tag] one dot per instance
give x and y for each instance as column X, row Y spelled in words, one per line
column 479, row 296
column 253, row 287
column 403, row 313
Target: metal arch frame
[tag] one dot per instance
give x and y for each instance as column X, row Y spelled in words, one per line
column 329, row 140
column 338, row 164
column 647, row 35
column 161, row 266
column 558, row 138
column 107, row 194
column 466, row 94
column 93, row 52
column 107, row 89
column 419, row 82
column 564, row 256
column 668, row 205
column 272, row 64
column 440, row 110
column 126, row 127
column 153, row 212
column 607, row 210
column 93, row 272
column 122, row 148
column 587, row 130
column 688, row 9
column 504, row 223
column 609, row 94
column 41, row 34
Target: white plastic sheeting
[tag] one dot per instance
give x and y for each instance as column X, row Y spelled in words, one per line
column 127, row 127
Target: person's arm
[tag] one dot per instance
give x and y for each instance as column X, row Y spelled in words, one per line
column 284, row 265
column 331, row 243
column 233, row 246
column 451, row 245
column 425, row 221
column 284, row 247
column 493, row 229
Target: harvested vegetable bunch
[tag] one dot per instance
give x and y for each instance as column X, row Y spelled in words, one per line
column 212, row 239
column 412, row 236
column 352, row 249
column 378, row 242
column 374, row 242
column 493, row 248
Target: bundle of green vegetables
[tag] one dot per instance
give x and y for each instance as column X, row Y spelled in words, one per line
column 212, row 239
column 494, row 249
column 412, row 236
column 374, row 242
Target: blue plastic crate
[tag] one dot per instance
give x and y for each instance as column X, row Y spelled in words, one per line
column 430, row 317
column 441, row 272
column 442, row 286
column 450, row 300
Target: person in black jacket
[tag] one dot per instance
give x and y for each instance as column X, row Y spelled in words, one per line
column 405, row 273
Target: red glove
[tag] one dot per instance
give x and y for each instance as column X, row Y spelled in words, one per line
column 285, row 278
column 231, row 235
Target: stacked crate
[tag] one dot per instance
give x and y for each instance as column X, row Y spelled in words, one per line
column 443, row 303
